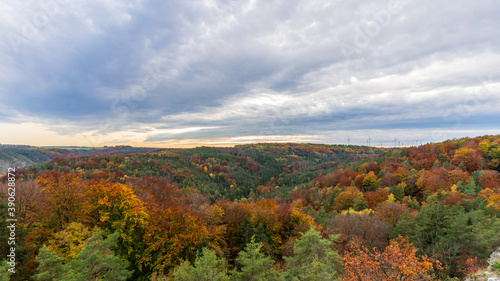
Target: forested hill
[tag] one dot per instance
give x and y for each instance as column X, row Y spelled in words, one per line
column 25, row 155
column 229, row 173
column 430, row 212
column 20, row 156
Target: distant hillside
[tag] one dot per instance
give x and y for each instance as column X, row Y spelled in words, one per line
column 227, row 172
column 21, row 156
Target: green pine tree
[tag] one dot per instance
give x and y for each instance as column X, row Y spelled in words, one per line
column 206, row 267
column 97, row 261
column 322, row 218
column 246, row 230
column 462, row 166
column 471, row 188
column 52, row 268
column 308, row 209
column 405, row 227
column 442, row 157
column 398, row 191
column 360, row 204
column 453, row 239
column 428, row 193
column 4, row 267
column 314, row 258
column 477, row 175
column 260, row 234
column 433, row 222
column 381, row 174
column 254, row 264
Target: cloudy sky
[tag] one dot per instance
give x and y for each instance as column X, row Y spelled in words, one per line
column 223, row 72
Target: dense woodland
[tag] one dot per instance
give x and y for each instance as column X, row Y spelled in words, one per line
column 25, row 155
column 260, row 212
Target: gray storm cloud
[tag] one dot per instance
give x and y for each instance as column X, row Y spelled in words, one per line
column 248, row 68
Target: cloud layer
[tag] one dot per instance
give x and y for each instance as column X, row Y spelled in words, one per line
column 221, row 72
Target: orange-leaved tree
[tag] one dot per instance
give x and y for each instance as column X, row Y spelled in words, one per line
column 398, row 261
column 115, row 207
column 62, row 200
column 173, row 233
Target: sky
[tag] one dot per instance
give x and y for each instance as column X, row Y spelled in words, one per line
column 224, row 72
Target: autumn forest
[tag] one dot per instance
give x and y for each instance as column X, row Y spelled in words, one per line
column 257, row 212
